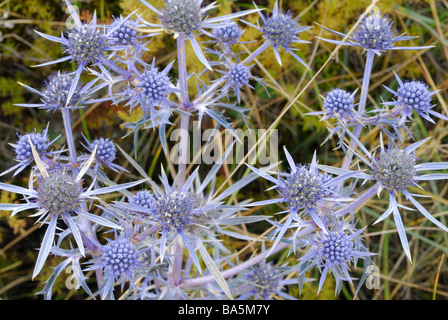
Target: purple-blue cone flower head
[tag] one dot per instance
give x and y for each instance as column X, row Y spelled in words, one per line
column 228, row 34
column 153, row 86
column 106, row 151
column 120, row 257
column 143, row 198
column 126, row 33
column 339, row 103
column 22, row 148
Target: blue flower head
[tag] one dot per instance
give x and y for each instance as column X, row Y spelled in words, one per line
column 238, row 76
column 373, row 33
column 281, row 30
column 395, row 169
column 143, row 198
column 40, row 141
column 86, row 43
column 305, row 188
column 339, row 103
column 333, row 251
column 154, row 86
column 413, row 96
column 125, row 32
column 149, row 90
column 120, row 261
column 229, row 34
column 23, row 152
column 56, row 89
column 105, row 154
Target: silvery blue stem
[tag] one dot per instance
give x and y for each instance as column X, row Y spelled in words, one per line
column 190, row 283
column 69, row 135
column 362, row 106
column 174, row 276
column 182, row 70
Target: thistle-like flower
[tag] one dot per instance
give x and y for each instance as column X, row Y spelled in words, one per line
column 305, row 190
column 125, row 33
column 188, row 17
column 56, row 90
column 105, row 154
column 374, row 33
column 227, row 35
column 413, row 96
column 281, row 30
column 339, row 104
column 87, row 45
column 395, row 169
column 333, row 251
column 238, row 76
column 149, row 90
column 22, row 149
column 120, row 261
column 143, row 198
column 263, row 281
column 58, row 194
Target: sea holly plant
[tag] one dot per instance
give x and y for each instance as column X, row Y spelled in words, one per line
column 164, row 236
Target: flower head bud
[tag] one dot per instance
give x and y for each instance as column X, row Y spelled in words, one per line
column 336, row 247
column 23, row 147
column 339, row 103
column 228, row 34
column 153, row 86
column 126, row 33
column 105, row 150
column 414, row 95
column 120, row 257
column 238, row 75
column 143, row 198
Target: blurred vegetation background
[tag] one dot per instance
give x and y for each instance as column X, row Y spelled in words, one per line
column 21, row 48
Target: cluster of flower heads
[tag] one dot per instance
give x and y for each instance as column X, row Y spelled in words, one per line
column 152, row 226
